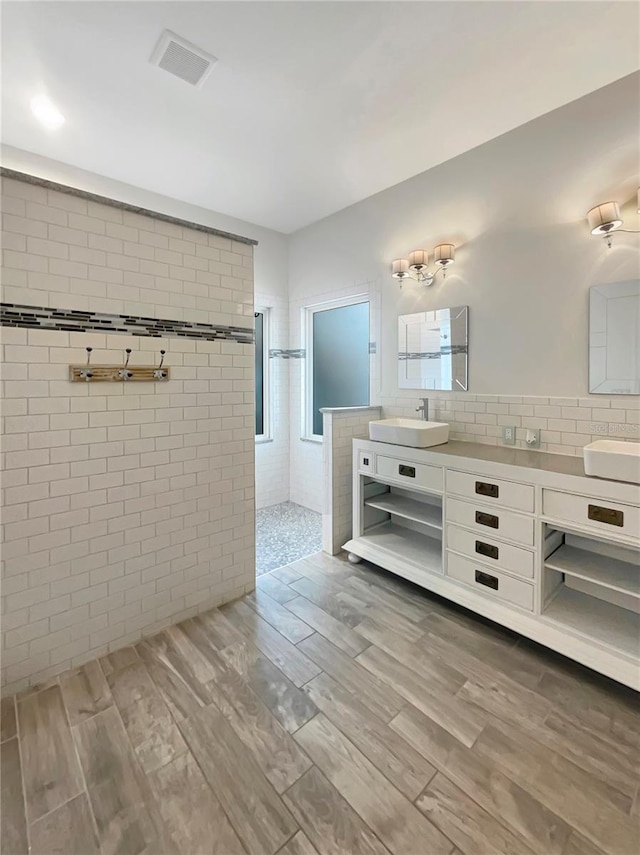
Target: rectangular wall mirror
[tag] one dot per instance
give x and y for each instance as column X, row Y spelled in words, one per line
column 433, row 349
column 614, row 338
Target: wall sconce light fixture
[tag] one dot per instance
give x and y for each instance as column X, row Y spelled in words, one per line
column 605, row 219
column 417, row 265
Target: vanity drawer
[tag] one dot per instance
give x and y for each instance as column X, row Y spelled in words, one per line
column 411, row 474
column 491, row 551
column 491, row 491
column 492, row 583
column 596, row 514
column 491, row 521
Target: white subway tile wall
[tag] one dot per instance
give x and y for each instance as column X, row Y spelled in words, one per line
column 566, row 424
column 272, row 457
column 125, row 507
column 340, row 428
column 66, row 252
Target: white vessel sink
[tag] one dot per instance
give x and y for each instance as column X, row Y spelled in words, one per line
column 409, row 432
column 618, row 461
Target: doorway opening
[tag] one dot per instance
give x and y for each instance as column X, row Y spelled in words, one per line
column 330, row 369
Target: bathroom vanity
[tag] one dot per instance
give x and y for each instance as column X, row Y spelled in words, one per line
column 523, row 538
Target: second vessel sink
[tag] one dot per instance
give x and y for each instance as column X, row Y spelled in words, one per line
column 608, row 458
column 410, row 432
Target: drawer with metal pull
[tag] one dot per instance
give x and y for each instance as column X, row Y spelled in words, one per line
column 493, row 583
column 595, row 514
column 492, row 522
column 491, row 551
column 412, row 474
column 491, row 491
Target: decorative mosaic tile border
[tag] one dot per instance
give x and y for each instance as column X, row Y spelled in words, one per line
column 75, row 320
column 123, row 206
column 278, row 353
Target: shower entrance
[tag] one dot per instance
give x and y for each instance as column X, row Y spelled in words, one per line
column 330, row 369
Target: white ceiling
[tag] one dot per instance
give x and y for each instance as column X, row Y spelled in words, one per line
column 312, row 106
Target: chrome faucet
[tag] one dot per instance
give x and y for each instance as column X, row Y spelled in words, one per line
column 424, row 409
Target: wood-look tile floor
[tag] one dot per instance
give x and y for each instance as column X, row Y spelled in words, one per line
column 335, row 710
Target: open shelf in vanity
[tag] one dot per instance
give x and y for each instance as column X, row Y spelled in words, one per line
column 401, row 525
column 592, row 586
column 422, row 552
column 397, row 504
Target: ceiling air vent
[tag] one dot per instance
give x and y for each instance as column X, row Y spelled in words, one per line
column 182, row 59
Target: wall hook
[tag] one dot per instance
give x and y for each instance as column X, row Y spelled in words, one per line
column 124, row 373
column 159, row 373
column 120, row 373
column 86, row 372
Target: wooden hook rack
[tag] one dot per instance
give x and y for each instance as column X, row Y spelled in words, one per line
column 113, row 374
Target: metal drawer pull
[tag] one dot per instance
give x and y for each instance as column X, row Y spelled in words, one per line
column 484, row 489
column 407, row 471
column 487, row 580
column 490, row 520
column 606, row 515
column 486, row 549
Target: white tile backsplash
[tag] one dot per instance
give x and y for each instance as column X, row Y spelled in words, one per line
column 566, row 424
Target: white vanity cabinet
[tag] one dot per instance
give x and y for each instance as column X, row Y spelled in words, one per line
column 522, row 538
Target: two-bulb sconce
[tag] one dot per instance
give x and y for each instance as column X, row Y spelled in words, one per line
column 124, row 373
column 605, row 219
column 417, row 265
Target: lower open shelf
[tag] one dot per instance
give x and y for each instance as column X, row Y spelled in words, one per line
column 422, row 552
column 410, row 509
column 602, row 570
column 603, row 622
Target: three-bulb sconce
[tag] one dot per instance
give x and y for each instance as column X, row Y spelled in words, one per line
column 605, row 219
column 124, row 373
column 417, row 265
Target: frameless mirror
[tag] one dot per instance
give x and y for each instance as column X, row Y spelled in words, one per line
column 433, row 349
column 614, row 338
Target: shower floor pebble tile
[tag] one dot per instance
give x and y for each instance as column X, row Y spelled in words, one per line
column 285, row 533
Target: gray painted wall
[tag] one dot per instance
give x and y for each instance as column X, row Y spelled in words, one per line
column 515, row 209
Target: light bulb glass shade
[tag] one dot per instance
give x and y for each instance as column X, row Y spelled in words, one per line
column 418, row 259
column 604, row 218
column 400, row 268
column 445, row 254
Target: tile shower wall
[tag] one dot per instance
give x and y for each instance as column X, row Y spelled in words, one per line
column 64, row 251
column 272, row 456
column 125, row 507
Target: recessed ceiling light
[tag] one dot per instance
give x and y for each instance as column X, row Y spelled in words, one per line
column 46, row 111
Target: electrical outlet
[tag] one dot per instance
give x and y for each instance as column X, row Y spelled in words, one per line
column 509, row 435
column 532, row 437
